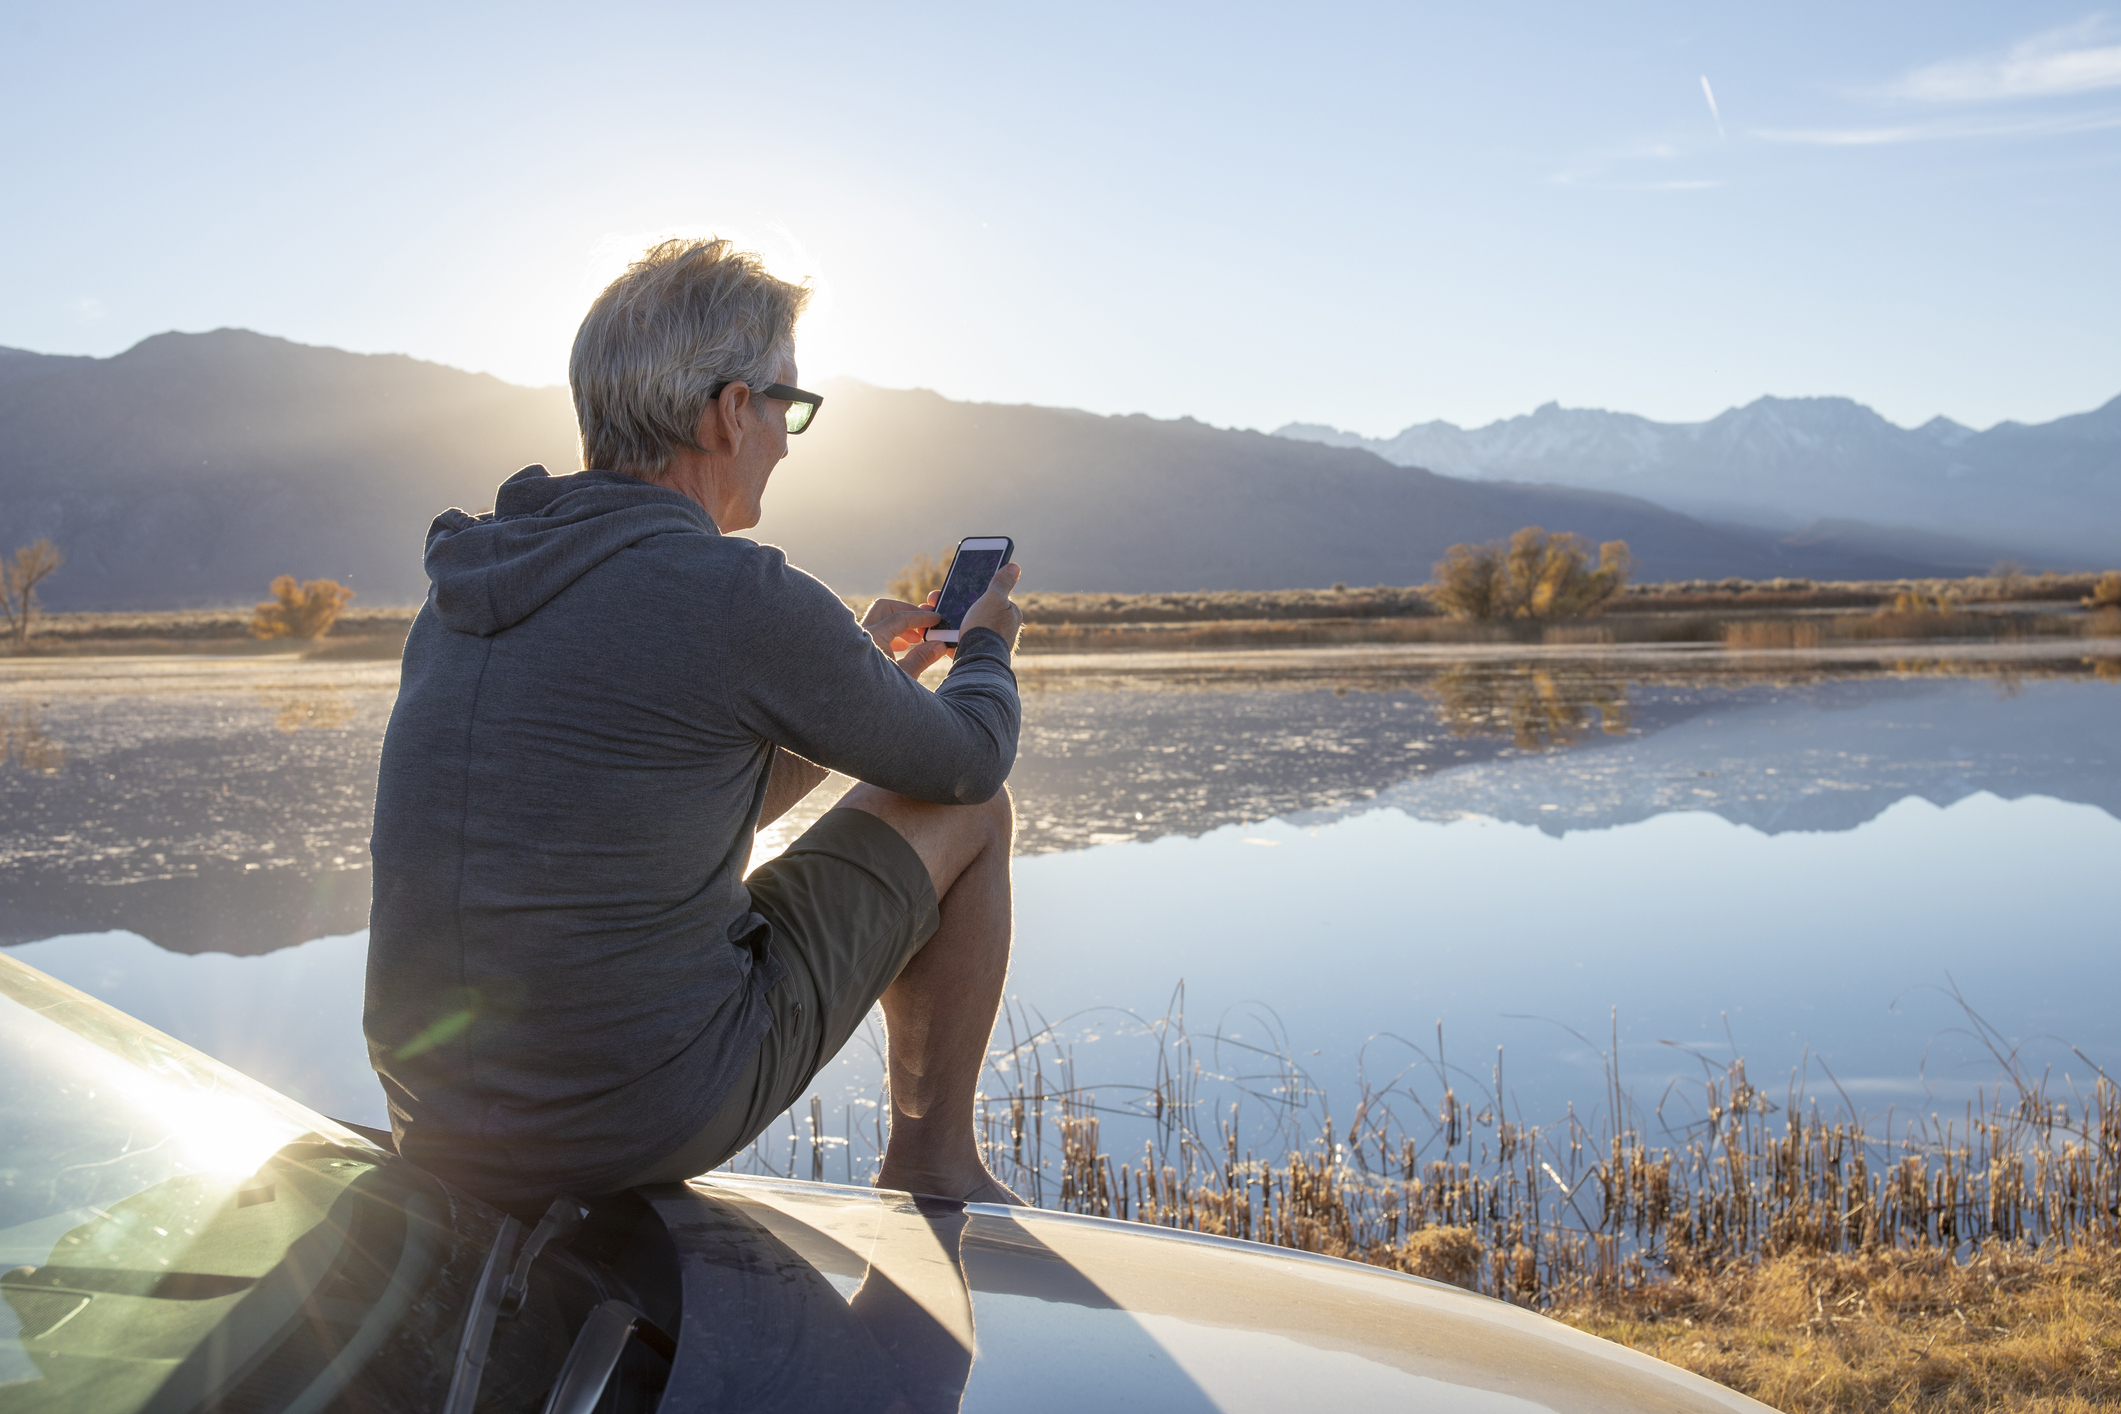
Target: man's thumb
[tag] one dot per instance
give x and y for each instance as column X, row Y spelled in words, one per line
column 1006, row 577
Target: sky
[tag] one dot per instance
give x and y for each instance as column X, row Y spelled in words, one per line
column 1365, row 216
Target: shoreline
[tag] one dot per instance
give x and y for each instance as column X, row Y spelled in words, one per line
column 1780, row 613
column 179, row 671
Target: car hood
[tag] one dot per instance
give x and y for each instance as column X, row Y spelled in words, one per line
column 812, row 1296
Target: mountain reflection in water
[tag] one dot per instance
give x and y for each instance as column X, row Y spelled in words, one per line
column 1331, row 837
column 226, row 806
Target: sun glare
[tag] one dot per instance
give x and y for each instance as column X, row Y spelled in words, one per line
column 218, row 1131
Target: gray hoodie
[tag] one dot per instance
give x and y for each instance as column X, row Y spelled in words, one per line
column 565, row 976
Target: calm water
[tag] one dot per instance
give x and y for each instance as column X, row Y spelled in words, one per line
column 1378, row 864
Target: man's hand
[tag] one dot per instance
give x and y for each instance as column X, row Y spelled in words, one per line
column 897, row 628
column 993, row 609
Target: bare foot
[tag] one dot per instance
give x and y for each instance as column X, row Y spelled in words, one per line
column 996, row 1191
column 978, row 1187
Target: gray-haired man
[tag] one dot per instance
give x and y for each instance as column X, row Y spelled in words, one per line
column 572, row 986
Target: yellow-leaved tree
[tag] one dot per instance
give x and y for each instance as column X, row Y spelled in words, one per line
column 1535, row 576
column 921, row 577
column 305, row 610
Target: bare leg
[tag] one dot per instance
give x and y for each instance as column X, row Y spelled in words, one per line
column 940, row 1012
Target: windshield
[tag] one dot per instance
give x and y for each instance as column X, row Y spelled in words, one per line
column 174, row 1234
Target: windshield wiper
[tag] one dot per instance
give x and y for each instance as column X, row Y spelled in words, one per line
column 595, row 1355
column 478, row 1323
column 598, row 1346
column 495, row 1300
column 561, row 1222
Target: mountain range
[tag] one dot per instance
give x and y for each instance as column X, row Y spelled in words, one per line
column 192, row 468
column 2049, row 492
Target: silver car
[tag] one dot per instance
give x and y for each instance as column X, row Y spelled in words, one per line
column 175, row 1237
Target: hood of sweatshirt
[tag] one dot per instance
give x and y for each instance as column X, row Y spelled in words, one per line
column 492, row 571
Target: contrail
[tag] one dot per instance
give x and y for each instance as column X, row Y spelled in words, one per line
column 1710, row 95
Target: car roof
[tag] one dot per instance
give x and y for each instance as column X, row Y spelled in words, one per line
column 984, row 1306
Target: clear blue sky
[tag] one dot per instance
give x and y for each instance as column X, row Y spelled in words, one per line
column 1365, row 216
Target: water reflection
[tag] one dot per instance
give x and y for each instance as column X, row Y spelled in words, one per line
column 1538, row 708
column 23, row 744
column 1110, row 758
column 295, row 712
column 227, row 807
column 1672, row 836
column 208, row 806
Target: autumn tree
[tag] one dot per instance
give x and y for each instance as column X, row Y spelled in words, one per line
column 305, row 610
column 922, row 576
column 2106, row 592
column 19, row 578
column 1535, row 576
column 1915, row 601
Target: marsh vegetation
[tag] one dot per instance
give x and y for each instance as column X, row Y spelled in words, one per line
column 1778, row 1238
column 1779, row 614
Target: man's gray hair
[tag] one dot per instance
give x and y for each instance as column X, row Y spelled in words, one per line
column 685, row 317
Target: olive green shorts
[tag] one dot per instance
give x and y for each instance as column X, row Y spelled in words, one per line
column 850, row 903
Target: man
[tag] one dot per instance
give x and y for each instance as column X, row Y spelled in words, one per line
column 572, row 986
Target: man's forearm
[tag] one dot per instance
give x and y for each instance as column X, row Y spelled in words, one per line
column 792, row 779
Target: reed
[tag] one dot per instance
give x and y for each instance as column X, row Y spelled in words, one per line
column 1814, row 1255
column 1598, row 1202
column 1773, row 633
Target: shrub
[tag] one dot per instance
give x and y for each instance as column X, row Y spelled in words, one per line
column 18, row 585
column 1914, row 601
column 1536, row 576
column 305, row 610
column 2106, row 592
column 922, row 576
column 2006, row 579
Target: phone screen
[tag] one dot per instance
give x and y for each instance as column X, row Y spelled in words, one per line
column 970, row 574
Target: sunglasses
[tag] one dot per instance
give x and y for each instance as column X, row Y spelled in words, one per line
column 802, row 406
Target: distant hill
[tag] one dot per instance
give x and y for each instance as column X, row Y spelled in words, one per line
column 2050, row 492
column 192, row 468
column 1133, row 504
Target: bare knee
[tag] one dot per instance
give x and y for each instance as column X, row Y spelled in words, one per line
column 982, row 832
column 948, row 838
column 998, row 816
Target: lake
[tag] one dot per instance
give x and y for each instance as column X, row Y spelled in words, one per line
column 1498, row 870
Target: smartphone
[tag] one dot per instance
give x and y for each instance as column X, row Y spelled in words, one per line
column 971, row 571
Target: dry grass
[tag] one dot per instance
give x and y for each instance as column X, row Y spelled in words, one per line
column 1742, row 594
column 355, row 634
column 1781, row 613
column 1774, row 633
column 1375, row 602
column 2007, row 1328
column 1250, row 633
